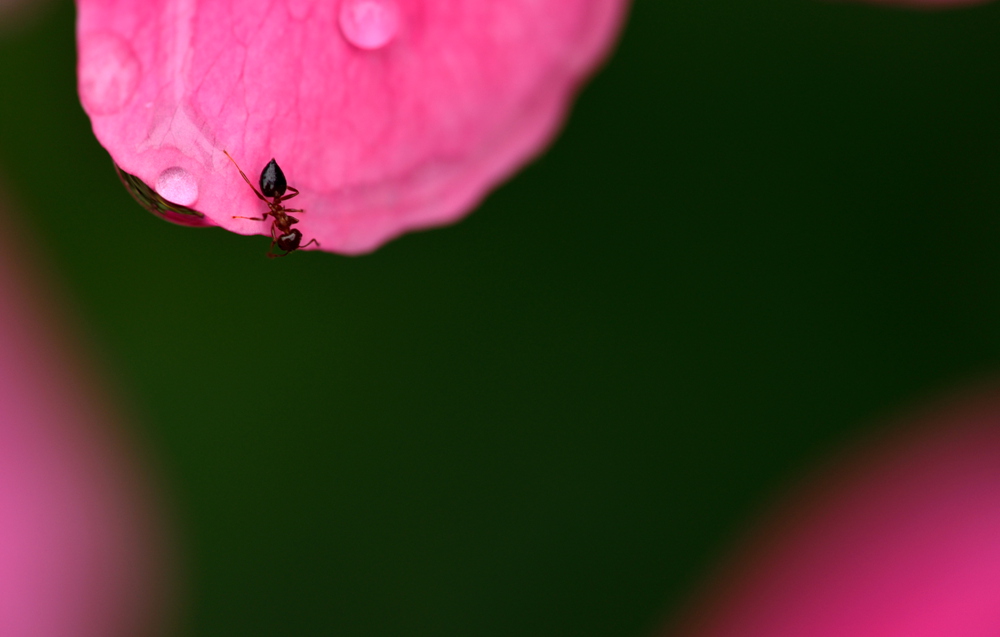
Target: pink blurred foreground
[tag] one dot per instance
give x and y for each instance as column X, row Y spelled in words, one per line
column 388, row 115
column 81, row 542
column 903, row 539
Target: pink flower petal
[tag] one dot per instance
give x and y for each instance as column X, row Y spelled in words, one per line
column 903, row 540
column 81, row 549
column 388, row 115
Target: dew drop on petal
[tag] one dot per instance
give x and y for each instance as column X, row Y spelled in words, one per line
column 108, row 72
column 178, row 186
column 369, row 24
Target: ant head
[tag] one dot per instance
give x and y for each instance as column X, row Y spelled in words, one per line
column 272, row 180
column 290, row 240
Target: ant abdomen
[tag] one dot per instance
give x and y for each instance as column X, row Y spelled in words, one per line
column 272, row 180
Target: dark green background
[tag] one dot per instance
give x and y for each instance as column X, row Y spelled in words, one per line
column 766, row 225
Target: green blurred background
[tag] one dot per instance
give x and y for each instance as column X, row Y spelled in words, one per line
column 766, row 226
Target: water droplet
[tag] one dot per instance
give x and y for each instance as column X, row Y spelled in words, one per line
column 109, row 73
column 178, row 186
column 369, row 24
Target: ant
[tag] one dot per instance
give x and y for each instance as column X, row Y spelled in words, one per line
column 273, row 185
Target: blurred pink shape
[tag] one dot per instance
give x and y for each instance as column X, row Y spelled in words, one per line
column 903, row 539
column 81, row 540
column 388, row 115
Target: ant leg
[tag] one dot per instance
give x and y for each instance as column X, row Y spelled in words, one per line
column 264, row 218
column 311, row 241
column 295, row 191
column 270, row 248
column 260, row 196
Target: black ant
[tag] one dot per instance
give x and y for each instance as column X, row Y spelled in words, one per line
column 273, row 185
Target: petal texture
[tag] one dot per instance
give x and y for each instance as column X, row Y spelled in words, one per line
column 387, row 115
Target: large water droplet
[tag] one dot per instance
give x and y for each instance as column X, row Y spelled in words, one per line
column 177, row 186
column 369, row 24
column 109, row 73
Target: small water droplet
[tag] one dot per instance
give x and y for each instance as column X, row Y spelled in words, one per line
column 177, row 186
column 369, row 24
column 109, row 72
